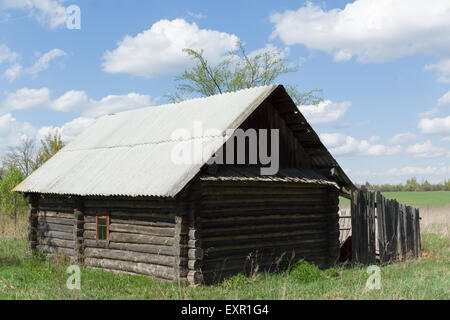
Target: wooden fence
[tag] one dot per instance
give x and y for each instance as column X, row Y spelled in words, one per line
column 383, row 226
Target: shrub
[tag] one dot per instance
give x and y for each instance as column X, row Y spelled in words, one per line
column 303, row 271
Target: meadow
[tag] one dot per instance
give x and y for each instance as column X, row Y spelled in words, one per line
column 27, row 276
column 417, row 198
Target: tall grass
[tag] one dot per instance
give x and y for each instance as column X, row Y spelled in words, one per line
column 10, row 229
column 435, row 220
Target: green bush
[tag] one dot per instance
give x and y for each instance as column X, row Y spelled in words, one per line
column 303, row 271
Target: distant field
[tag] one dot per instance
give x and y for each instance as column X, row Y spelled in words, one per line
column 419, row 199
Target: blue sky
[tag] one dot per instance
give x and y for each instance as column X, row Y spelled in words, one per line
column 384, row 67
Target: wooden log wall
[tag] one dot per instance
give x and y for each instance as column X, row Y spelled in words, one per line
column 33, row 211
column 78, row 230
column 195, row 250
column 254, row 226
column 141, row 239
column 55, row 221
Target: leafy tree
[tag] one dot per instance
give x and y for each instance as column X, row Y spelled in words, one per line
column 50, row 145
column 236, row 71
column 11, row 203
column 22, row 157
column 412, row 185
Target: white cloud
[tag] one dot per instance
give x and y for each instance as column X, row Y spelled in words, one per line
column 117, row 103
column 325, row 112
column 43, row 62
column 435, row 125
column 73, row 100
column 442, row 67
column 69, row 130
column 12, row 131
column 194, row 15
column 25, row 99
column 425, row 150
column 402, row 138
column 340, row 144
column 446, row 139
column 49, row 13
column 13, row 72
column 158, row 50
column 369, row 30
column 6, row 54
column 332, row 140
column 69, row 101
column 444, row 100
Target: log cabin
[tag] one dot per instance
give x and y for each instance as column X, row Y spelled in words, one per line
column 114, row 198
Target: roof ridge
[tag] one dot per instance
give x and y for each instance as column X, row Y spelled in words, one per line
column 193, row 99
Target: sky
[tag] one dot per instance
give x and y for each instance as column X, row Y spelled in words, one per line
column 383, row 66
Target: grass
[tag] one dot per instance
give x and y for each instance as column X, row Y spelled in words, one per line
column 23, row 276
column 417, row 199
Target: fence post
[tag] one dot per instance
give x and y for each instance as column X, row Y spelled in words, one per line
column 355, row 225
column 417, row 248
column 363, row 241
column 410, row 234
column 388, row 216
column 418, row 232
column 382, row 226
column 371, row 254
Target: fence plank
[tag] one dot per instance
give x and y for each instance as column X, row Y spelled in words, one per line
column 396, row 230
column 410, row 231
column 388, row 216
column 418, row 240
column 381, row 223
column 371, row 254
column 364, row 245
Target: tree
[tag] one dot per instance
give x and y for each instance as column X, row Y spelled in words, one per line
column 236, row 71
column 22, row 157
column 50, row 145
column 11, row 203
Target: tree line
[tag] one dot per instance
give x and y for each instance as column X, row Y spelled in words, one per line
column 410, row 186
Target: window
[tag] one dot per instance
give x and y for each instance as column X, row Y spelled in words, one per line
column 102, row 228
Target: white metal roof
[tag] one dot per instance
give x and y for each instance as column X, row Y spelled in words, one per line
column 129, row 153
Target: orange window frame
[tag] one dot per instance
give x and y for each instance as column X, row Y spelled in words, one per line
column 107, row 227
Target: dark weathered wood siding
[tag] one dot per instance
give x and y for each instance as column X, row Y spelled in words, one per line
column 55, row 225
column 248, row 226
column 141, row 238
column 213, row 230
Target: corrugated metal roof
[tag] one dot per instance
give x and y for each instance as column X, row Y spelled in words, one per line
column 130, row 153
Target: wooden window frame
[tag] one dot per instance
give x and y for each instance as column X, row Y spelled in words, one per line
column 107, row 217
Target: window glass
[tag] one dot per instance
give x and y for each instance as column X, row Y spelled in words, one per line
column 102, row 228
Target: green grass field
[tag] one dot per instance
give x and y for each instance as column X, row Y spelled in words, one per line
column 418, row 199
column 25, row 277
